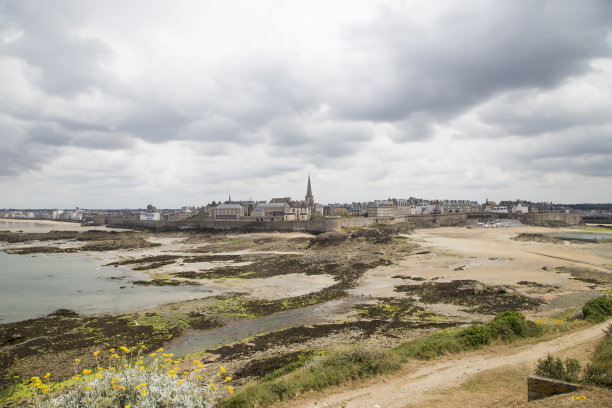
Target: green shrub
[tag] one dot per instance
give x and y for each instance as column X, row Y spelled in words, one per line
column 598, row 309
column 477, row 335
column 555, row 368
column 508, row 324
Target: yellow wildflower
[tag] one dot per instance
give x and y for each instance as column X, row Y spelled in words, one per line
column 89, row 387
column 112, row 369
column 111, row 350
column 115, row 356
column 160, row 350
column 98, row 375
column 152, row 355
column 144, row 392
column 100, row 369
column 47, row 375
column 95, row 353
column 143, row 384
column 86, row 371
column 222, row 369
column 141, row 367
column 179, row 382
column 200, row 377
column 230, row 389
column 228, row 378
column 77, row 360
column 124, row 349
column 197, row 370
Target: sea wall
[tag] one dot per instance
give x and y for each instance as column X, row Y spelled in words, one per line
column 314, row 226
column 541, row 219
column 320, row 225
column 550, row 219
column 412, row 221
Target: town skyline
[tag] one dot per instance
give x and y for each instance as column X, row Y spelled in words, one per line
column 114, row 104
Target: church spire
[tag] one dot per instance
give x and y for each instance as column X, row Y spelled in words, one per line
column 309, row 197
column 309, row 189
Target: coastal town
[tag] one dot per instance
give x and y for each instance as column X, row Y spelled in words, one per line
column 283, row 209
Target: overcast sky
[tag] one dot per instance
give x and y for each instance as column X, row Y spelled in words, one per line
column 117, row 104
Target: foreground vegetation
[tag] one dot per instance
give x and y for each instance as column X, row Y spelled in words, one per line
column 599, row 372
column 340, row 367
column 123, row 379
column 130, row 379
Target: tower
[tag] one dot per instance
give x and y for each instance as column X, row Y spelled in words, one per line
column 309, row 197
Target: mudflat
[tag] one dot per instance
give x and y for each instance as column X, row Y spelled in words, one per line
column 386, row 284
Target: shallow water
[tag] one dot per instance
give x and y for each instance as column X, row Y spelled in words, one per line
column 585, row 237
column 193, row 341
column 36, row 285
column 40, row 226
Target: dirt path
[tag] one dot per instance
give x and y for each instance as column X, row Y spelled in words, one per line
column 410, row 385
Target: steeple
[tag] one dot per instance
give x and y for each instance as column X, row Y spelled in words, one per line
column 229, row 200
column 309, row 189
column 309, row 197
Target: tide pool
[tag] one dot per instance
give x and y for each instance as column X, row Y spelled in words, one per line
column 35, row 285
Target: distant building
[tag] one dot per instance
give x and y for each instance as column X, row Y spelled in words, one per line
column 382, row 209
column 269, row 212
column 150, row 216
column 459, row 206
column 228, row 212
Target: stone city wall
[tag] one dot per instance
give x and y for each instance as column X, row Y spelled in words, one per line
column 412, row 221
column 315, row 225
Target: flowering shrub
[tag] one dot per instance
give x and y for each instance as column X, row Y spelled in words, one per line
column 162, row 383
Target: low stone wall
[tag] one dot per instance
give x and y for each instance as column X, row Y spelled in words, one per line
column 541, row 387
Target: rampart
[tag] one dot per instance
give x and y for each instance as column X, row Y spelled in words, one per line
column 320, row 225
column 542, row 220
column 315, row 225
column 412, row 221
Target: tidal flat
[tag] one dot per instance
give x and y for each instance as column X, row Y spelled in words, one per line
column 267, row 299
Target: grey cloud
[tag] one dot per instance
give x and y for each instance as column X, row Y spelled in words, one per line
column 17, row 154
column 586, row 151
column 66, row 62
column 528, row 113
column 459, row 60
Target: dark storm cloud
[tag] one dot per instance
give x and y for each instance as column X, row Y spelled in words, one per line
column 467, row 55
